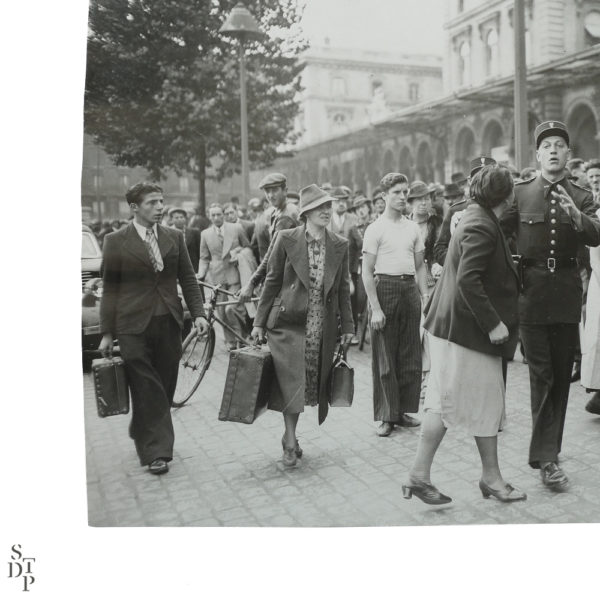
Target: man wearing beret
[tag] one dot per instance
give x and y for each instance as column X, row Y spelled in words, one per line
column 549, row 218
column 284, row 215
column 454, row 193
column 190, row 235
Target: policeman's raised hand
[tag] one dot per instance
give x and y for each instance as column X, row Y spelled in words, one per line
column 499, row 334
column 245, row 294
column 565, row 201
column 201, row 325
column 258, row 335
column 377, row 319
column 106, row 345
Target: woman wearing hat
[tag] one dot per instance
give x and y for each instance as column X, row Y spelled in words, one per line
column 472, row 320
column 307, row 287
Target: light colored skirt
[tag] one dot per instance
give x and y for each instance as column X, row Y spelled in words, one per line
column 465, row 387
column 590, row 340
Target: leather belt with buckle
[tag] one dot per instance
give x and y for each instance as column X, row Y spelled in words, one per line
column 552, row 264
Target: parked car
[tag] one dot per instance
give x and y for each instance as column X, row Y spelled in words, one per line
column 91, row 286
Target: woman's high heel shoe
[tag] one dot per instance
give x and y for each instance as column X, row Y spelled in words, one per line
column 424, row 491
column 507, row 494
column 297, row 448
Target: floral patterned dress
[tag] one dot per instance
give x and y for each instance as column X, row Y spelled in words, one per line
column 314, row 319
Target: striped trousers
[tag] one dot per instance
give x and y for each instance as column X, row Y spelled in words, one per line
column 397, row 350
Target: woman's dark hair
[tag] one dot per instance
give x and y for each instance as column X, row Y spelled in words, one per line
column 491, row 186
column 390, row 180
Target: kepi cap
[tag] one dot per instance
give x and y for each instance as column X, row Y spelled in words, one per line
column 548, row 128
column 481, row 161
column 312, row 196
column 271, row 180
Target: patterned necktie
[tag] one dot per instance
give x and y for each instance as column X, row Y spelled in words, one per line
column 153, row 251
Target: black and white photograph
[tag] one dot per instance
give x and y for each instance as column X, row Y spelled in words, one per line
column 322, row 276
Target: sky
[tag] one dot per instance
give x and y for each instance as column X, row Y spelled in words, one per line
column 404, row 26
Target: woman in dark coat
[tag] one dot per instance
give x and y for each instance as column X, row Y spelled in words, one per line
column 472, row 324
column 307, row 287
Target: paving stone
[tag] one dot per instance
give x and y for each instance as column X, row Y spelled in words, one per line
column 226, row 474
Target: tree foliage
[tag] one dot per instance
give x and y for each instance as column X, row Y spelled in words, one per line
column 162, row 86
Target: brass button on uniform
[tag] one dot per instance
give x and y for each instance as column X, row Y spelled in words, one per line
column 553, row 242
column 552, row 211
column 530, row 222
column 553, row 231
column 551, row 251
column 553, row 201
column 553, row 221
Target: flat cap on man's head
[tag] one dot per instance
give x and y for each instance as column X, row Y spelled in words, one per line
column 478, row 163
column 341, row 192
column 458, row 177
column 272, row 180
column 177, row 209
column 451, row 190
column 548, row 128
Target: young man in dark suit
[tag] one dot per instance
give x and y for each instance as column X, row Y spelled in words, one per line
column 142, row 265
column 191, row 235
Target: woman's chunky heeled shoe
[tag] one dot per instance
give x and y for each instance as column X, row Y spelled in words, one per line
column 297, row 448
column 507, row 494
column 289, row 457
column 424, row 491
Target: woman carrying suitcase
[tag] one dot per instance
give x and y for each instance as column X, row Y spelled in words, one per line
column 307, row 287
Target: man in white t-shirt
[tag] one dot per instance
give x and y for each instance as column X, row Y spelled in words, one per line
column 395, row 280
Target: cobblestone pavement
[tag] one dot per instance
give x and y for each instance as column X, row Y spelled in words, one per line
column 227, row 474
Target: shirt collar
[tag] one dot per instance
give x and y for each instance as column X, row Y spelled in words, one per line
column 142, row 230
column 310, row 238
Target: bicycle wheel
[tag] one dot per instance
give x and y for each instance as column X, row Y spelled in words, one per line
column 197, row 352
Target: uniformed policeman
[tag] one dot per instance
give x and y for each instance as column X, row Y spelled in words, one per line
column 550, row 217
column 453, row 191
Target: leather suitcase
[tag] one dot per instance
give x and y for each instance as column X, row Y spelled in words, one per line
column 110, row 384
column 248, row 384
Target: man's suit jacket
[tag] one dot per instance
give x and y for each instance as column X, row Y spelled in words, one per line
column 192, row 243
column 479, row 287
column 132, row 287
column 215, row 254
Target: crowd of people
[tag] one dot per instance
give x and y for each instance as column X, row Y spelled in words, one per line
column 448, row 275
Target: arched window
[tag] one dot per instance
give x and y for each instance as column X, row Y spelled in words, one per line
column 464, row 63
column 491, row 52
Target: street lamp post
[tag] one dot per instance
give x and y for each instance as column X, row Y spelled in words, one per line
column 520, row 91
column 242, row 25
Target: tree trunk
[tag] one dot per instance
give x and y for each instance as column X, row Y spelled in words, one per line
column 202, row 178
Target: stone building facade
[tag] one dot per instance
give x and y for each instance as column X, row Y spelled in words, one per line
column 474, row 114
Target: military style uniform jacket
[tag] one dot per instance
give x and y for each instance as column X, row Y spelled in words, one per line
column 544, row 234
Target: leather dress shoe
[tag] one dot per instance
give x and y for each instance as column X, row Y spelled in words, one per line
column 158, row 466
column 424, row 491
column 385, row 429
column 554, row 477
column 408, row 421
column 593, row 406
column 506, row 494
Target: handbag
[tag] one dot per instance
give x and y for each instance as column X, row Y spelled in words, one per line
column 341, row 383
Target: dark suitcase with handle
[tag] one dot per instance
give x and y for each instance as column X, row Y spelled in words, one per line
column 248, row 384
column 110, row 384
